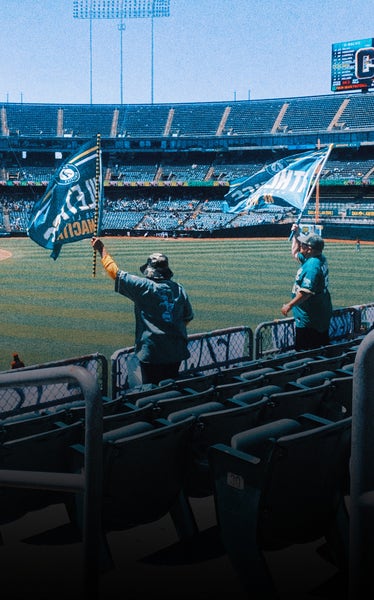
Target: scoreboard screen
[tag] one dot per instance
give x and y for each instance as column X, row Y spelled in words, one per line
column 352, row 65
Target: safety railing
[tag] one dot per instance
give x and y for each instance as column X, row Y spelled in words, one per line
column 361, row 559
column 50, row 396
column 89, row 481
column 209, row 352
column 275, row 337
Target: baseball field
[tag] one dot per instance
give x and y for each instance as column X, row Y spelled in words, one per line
column 52, row 310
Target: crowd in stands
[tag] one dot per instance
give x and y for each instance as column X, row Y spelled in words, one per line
column 357, row 171
column 191, row 212
column 183, row 199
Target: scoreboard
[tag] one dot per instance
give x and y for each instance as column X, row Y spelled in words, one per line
column 352, row 65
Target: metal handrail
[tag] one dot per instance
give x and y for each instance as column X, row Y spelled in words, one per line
column 361, row 507
column 90, row 481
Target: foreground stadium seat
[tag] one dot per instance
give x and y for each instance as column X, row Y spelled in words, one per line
column 341, row 389
column 325, row 363
column 163, row 404
column 294, row 402
column 121, row 419
column 239, row 384
column 278, row 485
column 144, row 471
column 28, row 424
column 48, row 451
column 214, row 422
column 250, row 396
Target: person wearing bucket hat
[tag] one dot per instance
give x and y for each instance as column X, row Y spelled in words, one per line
column 157, row 267
column 310, row 299
column 162, row 311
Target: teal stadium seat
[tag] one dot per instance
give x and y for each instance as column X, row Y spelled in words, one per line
column 279, row 485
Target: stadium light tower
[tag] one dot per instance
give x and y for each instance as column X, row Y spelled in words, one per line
column 121, row 9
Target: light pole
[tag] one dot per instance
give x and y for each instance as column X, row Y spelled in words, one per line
column 121, row 9
column 122, row 28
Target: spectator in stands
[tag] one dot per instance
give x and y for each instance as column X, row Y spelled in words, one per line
column 162, row 311
column 16, row 363
column 311, row 301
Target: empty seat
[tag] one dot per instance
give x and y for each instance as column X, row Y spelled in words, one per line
column 227, row 390
column 144, row 400
column 250, row 396
column 120, row 419
column 316, row 378
column 197, row 382
column 291, row 403
column 144, row 472
column 214, row 423
column 248, row 375
column 279, row 485
column 196, row 410
column 31, row 424
column 298, row 362
column 164, row 404
column 348, row 368
column 48, row 451
column 340, row 393
column 326, row 363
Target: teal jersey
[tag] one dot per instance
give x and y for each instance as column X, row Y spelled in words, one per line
column 313, row 277
column 162, row 310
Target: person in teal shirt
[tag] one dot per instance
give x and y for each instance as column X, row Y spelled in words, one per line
column 162, row 312
column 311, row 301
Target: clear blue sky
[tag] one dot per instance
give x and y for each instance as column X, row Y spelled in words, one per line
column 207, row 50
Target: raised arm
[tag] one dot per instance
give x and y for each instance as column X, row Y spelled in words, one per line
column 106, row 260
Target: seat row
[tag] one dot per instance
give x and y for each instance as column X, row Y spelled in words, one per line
column 252, row 438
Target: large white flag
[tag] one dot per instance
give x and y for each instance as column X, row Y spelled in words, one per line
column 287, row 181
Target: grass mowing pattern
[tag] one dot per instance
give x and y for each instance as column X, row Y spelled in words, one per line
column 52, row 310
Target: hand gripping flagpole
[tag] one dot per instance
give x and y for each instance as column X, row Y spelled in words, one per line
column 318, row 172
column 97, row 197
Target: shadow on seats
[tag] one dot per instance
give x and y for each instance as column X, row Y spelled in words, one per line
column 48, row 451
column 31, row 424
column 294, row 402
column 278, row 485
column 214, row 422
column 144, row 471
column 171, row 401
column 340, row 390
column 283, row 375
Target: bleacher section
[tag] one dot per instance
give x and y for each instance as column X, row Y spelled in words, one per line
column 284, row 115
column 189, row 153
column 229, row 439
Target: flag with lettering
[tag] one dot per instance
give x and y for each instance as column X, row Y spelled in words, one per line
column 70, row 209
column 284, row 182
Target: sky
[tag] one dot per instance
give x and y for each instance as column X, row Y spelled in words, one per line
column 205, row 51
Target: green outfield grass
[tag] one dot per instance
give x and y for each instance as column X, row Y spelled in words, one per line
column 52, row 310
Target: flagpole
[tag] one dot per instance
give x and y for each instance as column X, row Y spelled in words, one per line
column 316, row 215
column 316, row 179
column 97, row 197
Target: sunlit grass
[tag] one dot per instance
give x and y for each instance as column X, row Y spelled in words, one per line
column 56, row 309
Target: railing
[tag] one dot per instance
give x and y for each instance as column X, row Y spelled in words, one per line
column 89, row 481
column 50, row 396
column 209, row 352
column 275, row 337
column 361, row 582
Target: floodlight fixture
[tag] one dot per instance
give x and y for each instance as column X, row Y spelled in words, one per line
column 121, row 9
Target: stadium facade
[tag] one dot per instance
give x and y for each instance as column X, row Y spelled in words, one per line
column 167, row 167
